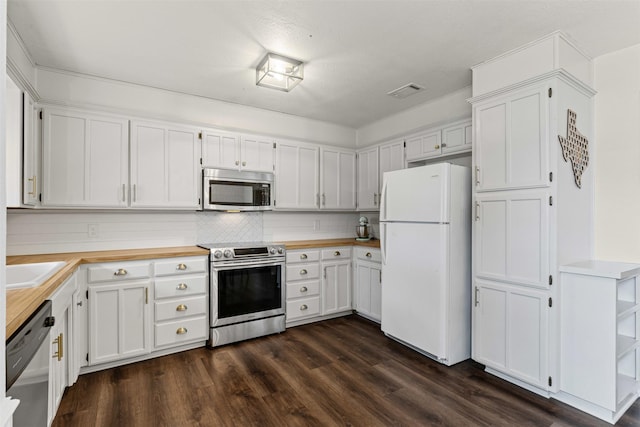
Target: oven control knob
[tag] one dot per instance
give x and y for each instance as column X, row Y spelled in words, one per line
column 217, row 254
column 272, row 251
column 280, row 251
column 228, row 253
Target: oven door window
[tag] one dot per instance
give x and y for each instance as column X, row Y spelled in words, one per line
column 249, row 290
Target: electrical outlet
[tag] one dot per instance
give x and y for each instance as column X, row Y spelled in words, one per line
column 93, row 231
column 316, row 224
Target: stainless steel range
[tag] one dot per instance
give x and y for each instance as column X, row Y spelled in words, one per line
column 247, row 291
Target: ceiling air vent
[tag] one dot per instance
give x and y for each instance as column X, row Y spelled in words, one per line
column 406, row 90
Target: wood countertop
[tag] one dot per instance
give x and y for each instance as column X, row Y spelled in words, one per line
column 21, row 303
column 324, row 243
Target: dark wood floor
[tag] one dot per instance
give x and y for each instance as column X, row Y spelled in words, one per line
column 337, row 372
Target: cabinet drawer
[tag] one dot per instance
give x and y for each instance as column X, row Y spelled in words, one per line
column 303, row 256
column 180, row 286
column 336, row 253
column 304, row 307
column 174, row 266
column 303, row 271
column 179, row 308
column 368, row 254
column 183, row 330
column 116, row 272
column 303, row 289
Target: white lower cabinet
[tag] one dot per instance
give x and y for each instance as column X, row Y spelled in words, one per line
column 61, row 340
column 119, row 314
column 600, row 337
column 368, row 284
column 336, row 280
column 303, row 284
column 181, row 303
column 511, row 331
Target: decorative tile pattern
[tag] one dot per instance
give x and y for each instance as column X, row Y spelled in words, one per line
column 224, row 227
column 575, row 147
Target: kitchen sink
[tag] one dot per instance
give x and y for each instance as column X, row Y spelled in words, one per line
column 31, row 275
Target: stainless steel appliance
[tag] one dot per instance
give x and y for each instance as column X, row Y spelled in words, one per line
column 27, row 368
column 247, row 291
column 362, row 229
column 230, row 190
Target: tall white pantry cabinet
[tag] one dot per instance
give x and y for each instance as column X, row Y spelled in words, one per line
column 530, row 217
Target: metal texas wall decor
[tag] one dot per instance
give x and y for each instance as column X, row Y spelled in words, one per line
column 575, row 147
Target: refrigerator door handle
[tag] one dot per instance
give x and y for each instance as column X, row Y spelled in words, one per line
column 383, row 242
column 383, row 202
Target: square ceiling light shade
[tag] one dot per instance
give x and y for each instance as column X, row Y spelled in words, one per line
column 279, row 72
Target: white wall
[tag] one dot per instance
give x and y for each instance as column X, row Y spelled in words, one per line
column 448, row 108
column 617, row 169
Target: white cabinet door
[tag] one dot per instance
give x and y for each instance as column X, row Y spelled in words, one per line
column 423, row 145
column 119, row 321
column 256, row 153
column 337, row 179
column 165, row 167
column 85, row 159
column 31, row 153
column 391, row 158
column 511, row 331
column 220, row 149
column 457, row 138
column 296, row 178
column 336, row 287
column 512, row 237
column 368, row 290
column 79, row 326
column 511, row 141
column 58, row 356
column 368, row 188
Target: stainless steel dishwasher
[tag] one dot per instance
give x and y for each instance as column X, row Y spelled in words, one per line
column 27, row 368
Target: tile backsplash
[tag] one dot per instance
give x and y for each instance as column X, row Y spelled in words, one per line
column 224, row 227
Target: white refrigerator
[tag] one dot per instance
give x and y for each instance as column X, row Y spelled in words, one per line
column 425, row 233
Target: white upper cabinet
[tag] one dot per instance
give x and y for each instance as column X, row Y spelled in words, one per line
column 31, row 153
column 368, row 188
column 391, row 158
column 511, row 141
column 457, row 138
column 337, row 179
column 297, row 174
column 220, row 149
column 227, row 150
column 424, row 144
column 256, row 153
column 84, row 159
column 165, row 168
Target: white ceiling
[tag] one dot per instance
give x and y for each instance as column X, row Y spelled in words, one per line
column 355, row 51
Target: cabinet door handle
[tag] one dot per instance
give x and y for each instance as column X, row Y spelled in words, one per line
column 244, row 163
column 324, row 274
column 375, row 199
column 317, row 199
column 324, row 200
column 60, row 343
column 303, row 271
column 135, row 193
column 336, row 253
column 181, row 307
column 303, row 256
column 33, row 186
column 477, row 209
column 368, row 255
column 181, row 331
column 146, row 295
column 303, row 307
column 181, row 266
column 477, row 175
column 121, row 272
column 475, row 297
column 443, row 145
column 437, row 147
column 182, row 287
column 123, row 193
column 303, row 289
column 380, row 276
column 237, row 162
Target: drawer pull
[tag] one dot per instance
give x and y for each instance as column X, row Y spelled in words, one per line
column 182, row 287
column 303, row 271
column 336, row 253
column 181, row 331
column 368, row 255
column 303, row 289
column 303, row 307
column 303, row 256
column 181, row 266
column 181, row 307
column 120, row 272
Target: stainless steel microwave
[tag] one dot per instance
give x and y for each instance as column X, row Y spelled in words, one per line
column 230, row 190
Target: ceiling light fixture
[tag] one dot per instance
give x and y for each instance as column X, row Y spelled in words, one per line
column 406, row 90
column 279, row 72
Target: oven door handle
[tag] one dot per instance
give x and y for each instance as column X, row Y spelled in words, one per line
column 231, row 265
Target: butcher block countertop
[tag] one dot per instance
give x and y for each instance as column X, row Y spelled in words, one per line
column 305, row 244
column 21, row 303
